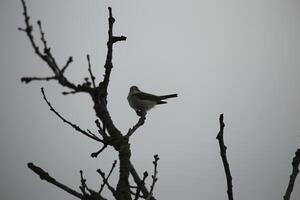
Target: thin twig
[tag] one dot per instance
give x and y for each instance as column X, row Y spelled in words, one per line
column 47, row 53
column 69, row 92
column 45, row 176
column 105, row 179
column 101, row 131
column 136, row 126
column 83, row 184
column 137, row 180
column 77, row 128
column 29, row 79
column 90, row 70
column 47, row 57
column 67, row 64
column 140, row 186
column 295, row 164
column 154, row 177
column 28, row 30
column 46, row 49
column 92, row 134
column 92, row 195
column 95, row 154
column 224, row 158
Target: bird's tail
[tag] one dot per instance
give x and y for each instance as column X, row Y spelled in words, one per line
column 168, row 96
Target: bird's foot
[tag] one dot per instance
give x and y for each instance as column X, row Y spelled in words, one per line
column 141, row 113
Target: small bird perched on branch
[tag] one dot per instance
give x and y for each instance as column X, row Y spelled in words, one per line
column 141, row 102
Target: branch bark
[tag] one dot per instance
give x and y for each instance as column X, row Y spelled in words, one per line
column 224, row 158
column 295, row 164
column 45, row 176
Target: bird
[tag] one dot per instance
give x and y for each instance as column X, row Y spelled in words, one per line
column 142, row 102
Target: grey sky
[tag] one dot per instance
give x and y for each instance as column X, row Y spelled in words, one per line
column 240, row 58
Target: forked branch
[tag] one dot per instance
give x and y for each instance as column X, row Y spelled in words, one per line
column 77, row 128
column 154, row 177
column 105, row 179
column 47, row 57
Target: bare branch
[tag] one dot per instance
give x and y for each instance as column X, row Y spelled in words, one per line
column 101, row 131
column 70, row 92
column 83, row 186
column 67, row 64
column 95, row 154
column 47, row 57
column 28, row 30
column 140, row 185
column 46, row 49
column 295, row 164
column 29, row 79
column 154, row 177
column 111, row 40
column 224, row 158
column 92, row 134
column 136, row 126
column 137, row 180
column 77, row 128
column 90, row 70
column 45, row 176
column 118, row 38
column 105, row 180
column 92, row 195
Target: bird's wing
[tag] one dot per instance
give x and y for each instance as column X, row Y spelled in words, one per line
column 147, row 96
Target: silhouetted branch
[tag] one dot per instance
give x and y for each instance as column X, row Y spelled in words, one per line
column 101, row 131
column 29, row 79
column 111, row 40
column 70, row 92
column 105, row 180
column 47, row 53
column 46, row 49
column 118, row 38
column 77, row 128
column 95, row 154
column 136, row 126
column 83, row 186
column 67, row 64
column 224, row 158
column 154, row 177
column 92, row 195
column 47, row 57
column 90, row 70
column 295, row 164
column 28, row 30
column 137, row 180
column 92, row 134
column 140, row 185
column 118, row 141
column 45, row 176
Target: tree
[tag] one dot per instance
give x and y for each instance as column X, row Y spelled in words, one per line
column 109, row 134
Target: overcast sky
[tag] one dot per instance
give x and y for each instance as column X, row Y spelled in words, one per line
column 236, row 57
